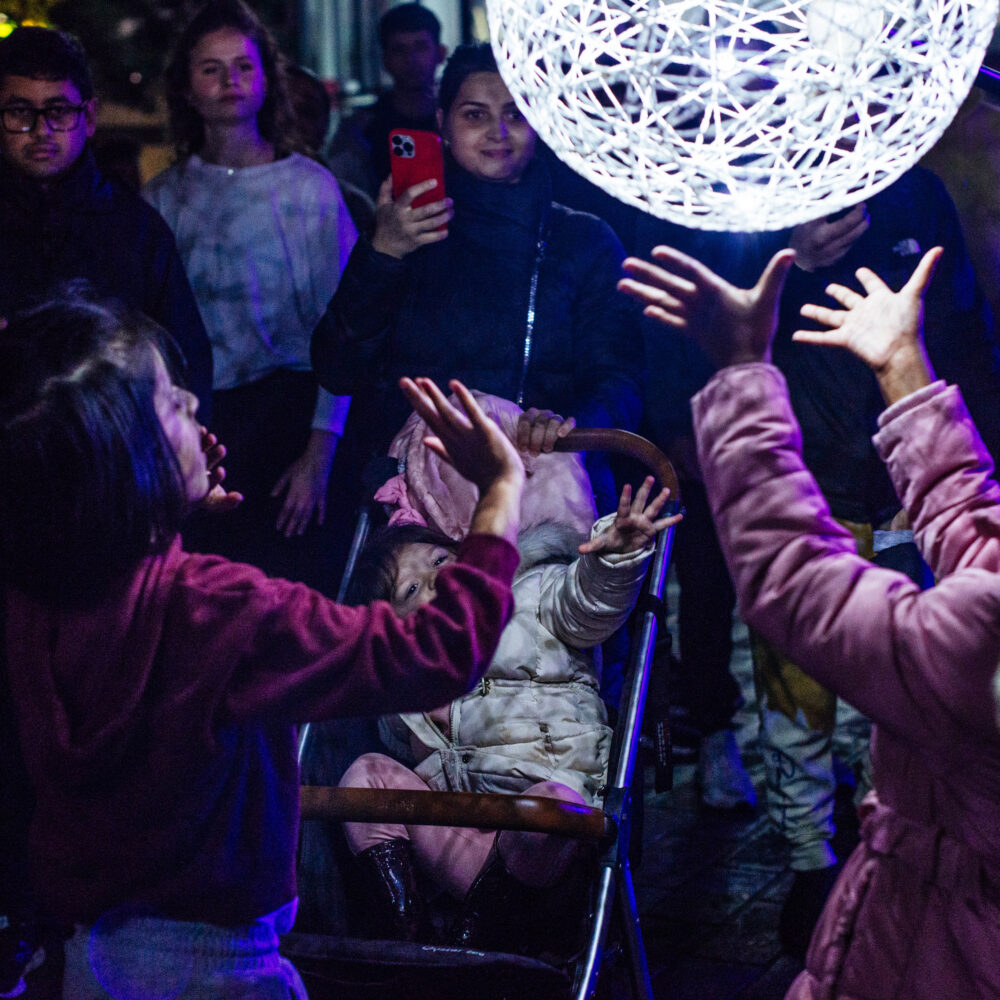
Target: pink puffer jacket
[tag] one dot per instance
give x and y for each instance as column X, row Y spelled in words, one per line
column 916, row 912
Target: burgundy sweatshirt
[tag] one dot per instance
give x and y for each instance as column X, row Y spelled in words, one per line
column 159, row 726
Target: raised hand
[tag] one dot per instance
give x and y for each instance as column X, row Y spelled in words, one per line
column 732, row 325
column 474, row 444
column 538, row 430
column 400, row 228
column 822, row 242
column 882, row 327
column 635, row 523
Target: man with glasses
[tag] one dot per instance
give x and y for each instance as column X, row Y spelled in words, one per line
column 60, row 219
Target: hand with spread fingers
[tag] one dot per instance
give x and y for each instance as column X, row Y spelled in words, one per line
column 538, row 430
column 732, row 325
column 477, row 448
column 882, row 327
column 400, row 228
column 635, row 524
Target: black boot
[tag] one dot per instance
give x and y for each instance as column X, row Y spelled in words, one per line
column 494, row 910
column 394, row 899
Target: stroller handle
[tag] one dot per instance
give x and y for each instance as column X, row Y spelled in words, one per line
column 623, row 443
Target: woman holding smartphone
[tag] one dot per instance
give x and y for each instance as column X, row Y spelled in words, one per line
column 494, row 283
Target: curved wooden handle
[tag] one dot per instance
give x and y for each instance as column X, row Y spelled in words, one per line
column 624, row 443
column 468, row 809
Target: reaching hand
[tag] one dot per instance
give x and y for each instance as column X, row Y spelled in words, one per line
column 306, row 480
column 478, row 449
column 732, row 325
column 400, row 228
column 217, row 499
column 883, row 328
column 538, row 430
column 821, row 243
column 635, row 523
column 470, row 441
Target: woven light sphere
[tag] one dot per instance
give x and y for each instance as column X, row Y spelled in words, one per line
column 743, row 115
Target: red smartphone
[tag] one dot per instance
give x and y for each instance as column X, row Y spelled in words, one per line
column 415, row 156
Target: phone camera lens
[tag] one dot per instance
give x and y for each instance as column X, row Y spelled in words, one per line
column 402, row 145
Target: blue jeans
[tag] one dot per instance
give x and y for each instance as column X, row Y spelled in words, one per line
column 136, row 957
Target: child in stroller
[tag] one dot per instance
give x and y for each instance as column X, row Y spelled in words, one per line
column 536, row 723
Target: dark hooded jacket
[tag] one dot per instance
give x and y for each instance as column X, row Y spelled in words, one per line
column 518, row 301
column 85, row 226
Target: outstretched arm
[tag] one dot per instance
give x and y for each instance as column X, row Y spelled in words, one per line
column 912, row 661
column 587, row 601
column 635, row 524
column 883, row 328
column 732, row 325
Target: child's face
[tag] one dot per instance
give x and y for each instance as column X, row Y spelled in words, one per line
column 227, row 80
column 417, row 566
column 176, row 408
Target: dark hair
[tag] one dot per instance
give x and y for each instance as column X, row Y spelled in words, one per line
column 463, row 62
column 408, row 17
column 374, row 576
column 90, row 484
column 274, row 120
column 311, row 105
column 46, row 54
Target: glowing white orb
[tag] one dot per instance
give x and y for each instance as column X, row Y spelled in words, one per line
column 741, row 115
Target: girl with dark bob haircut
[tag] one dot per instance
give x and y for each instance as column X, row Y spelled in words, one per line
column 155, row 693
column 90, row 484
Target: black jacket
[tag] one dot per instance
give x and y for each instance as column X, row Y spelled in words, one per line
column 835, row 396
column 85, row 226
column 460, row 309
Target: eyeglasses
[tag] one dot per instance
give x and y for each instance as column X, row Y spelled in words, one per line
column 58, row 117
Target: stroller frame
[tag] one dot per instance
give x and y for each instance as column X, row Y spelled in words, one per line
column 611, row 826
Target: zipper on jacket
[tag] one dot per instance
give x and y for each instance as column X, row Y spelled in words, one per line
column 529, row 328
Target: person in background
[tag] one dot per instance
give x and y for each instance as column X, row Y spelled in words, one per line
column 62, row 219
column 495, row 284
column 410, row 37
column 676, row 369
column 264, row 235
column 311, row 108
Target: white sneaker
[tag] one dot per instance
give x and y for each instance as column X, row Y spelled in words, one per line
column 724, row 781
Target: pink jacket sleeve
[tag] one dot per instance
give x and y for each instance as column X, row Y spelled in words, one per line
column 918, row 663
column 927, row 439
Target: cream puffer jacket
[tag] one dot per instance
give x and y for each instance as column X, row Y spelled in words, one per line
column 537, row 715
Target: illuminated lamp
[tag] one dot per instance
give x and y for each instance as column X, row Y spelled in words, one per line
column 740, row 115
